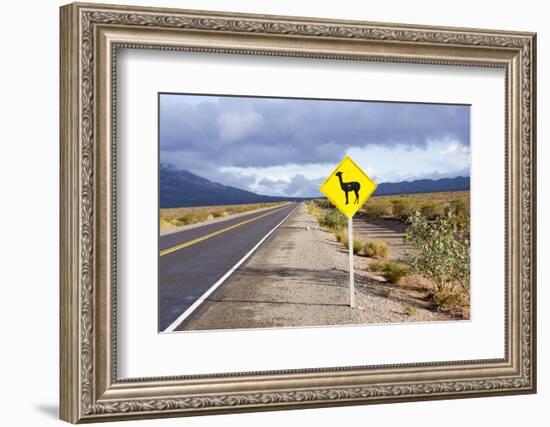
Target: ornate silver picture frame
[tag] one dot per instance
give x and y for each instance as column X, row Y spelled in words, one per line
column 91, row 35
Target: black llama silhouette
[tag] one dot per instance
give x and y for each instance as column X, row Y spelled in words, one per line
column 349, row 186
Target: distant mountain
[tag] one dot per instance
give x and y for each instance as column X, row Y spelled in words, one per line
column 423, row 186
column 180, row 188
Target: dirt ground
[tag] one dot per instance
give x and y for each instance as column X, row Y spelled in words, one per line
column 390, row 231
column 299, row 277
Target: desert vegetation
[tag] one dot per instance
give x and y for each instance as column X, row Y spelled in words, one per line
column 176, row 217
column 438, row 234
column 376, row 249
column 392, row 271
column 430, row 205
column 442, row 256
column 333, row 221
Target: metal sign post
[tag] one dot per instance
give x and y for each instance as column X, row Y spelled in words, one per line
column 348, row 187
column 351, row 282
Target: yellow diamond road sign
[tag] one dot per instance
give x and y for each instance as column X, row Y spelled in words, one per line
column 348, row 187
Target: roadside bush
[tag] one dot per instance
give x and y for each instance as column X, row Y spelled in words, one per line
column 376, row 266
column 345, row 242
column 341, row 235
column 357, row 244
column 446, row 299
column 394, row 272
column 376, row 208
column 376, row 249
column 176, row 217
column 193, row 217
column 325, row 204
column 168, row 223
column 314, row 210
column 443, row 255
column 332, row 219
column 430, row 209
column 460, row 206
column 219, row 213
column 461, row 218
column 402, row 207
column 391, row 271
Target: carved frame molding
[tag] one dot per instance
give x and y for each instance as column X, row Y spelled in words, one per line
column 90, row 37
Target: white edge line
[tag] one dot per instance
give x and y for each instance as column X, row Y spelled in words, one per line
column 222, row 279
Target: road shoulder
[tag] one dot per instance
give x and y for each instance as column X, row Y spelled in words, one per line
column 299, row 277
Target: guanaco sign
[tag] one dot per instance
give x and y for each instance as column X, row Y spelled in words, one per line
column 348, row 187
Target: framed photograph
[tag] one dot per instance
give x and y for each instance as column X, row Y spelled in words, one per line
column 267, row 212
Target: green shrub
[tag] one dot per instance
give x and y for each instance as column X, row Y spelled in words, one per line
column 461, row 218
column 357, row 244
column 443, row 254
column 376, row 266
column 375, row 208
column 430, row 209
column 332, row 219
column 402, row 207
column 324, row 204
column 460, row 206
column 376, row 249
column 393, row 272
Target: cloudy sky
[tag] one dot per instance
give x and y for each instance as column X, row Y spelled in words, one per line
column 289, row 146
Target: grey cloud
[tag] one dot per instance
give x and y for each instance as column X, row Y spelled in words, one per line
column 272, row 187
column 244, row 182
column 259, row 132
column 298, row 186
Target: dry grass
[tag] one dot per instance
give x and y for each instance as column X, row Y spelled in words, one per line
column 357, row 244
column 376, row 249
column 399, row 206
column 331, row 220
column 418, row 282
column 447, row 299
column 341, row 235
column 429, row 204
column 176, row 217
column 376, row 266
column 391, row 271
column 409, row 310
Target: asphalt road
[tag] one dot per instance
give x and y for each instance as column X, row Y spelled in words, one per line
column 192, row 261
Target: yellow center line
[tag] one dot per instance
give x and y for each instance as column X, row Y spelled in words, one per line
column 215, row 233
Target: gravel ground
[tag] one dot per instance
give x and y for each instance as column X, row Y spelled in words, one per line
column 299, row 277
